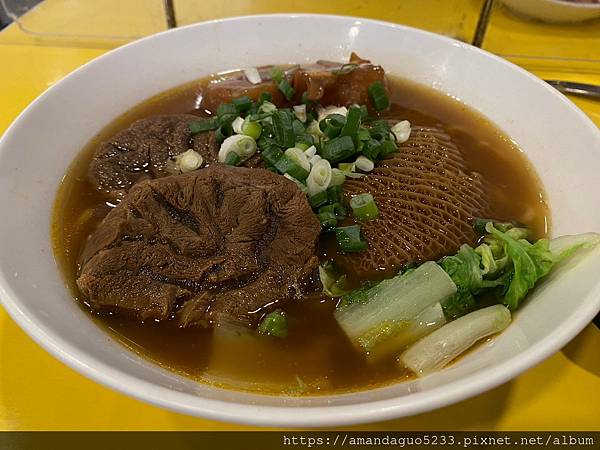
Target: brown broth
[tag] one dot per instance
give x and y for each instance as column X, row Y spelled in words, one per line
column 316, row 357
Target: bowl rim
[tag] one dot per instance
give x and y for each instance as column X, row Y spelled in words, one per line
column 298, row 416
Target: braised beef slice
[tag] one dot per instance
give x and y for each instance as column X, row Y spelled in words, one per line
column 427, row 198
column 144, row 151
column 221, row 243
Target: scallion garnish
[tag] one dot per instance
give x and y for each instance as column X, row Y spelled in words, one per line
column 334, row 194
column 223, row 132
column 332, row 124
column 302, row 136
column 352, row 123
column 319, row 199
column 271, row 155
column 282, row 129
column 204, row 125
column 277, row 74
column 378, row 96
column 364, row 207
column 265, row 97
column 242, row 104
column 371, row 149
column 388, row 147
column 286, row 89
column 232, row 159
column 226, row 112
column 252, row 129
column 327, row 218
column 349, row 238
column 274, row 324
column 285, row 164
column 338, row 149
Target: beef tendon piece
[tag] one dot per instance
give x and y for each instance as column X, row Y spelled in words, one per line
column 427, row 199
column 221, row 243
column 226, row 90
column 335, row 84
column 326, row 82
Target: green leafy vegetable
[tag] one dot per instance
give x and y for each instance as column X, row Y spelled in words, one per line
column 385, row 312
column 530, row 262
column 334, row 282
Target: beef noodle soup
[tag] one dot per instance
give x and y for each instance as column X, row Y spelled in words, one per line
column 237, row 229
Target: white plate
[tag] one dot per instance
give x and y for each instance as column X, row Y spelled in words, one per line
column 562, row 143
column 554, row 11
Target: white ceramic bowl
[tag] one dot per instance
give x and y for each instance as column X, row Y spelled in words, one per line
column 562, row 143
column 554, row 11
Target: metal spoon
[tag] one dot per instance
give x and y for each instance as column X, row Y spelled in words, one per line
column 581, row 89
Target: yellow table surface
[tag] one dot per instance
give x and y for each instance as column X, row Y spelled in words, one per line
column 39, row 393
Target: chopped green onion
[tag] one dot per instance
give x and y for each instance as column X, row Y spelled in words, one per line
column 298, row 183
column 401, row 131
column 380, row 130
column 335, row 208
column 265, row 97
column 364, row 164
column 349, row 238
column 242, row 104
column 337, row 177
column 285, row 164
column 352, row 122
column 363, row 134
column 378, row 96
column 232, row 159
column 283, row 130
column 274, row 324
column 204, row 125
column 364, row 112
column 240, row 144
column 237, row 125
column 226, row 113
column 371, row 149
column 301, row 134
column 338, row 149
column 364, row 207
column 340, row 211
column 303, row 146
column 319, row 199
column 334, row 194
column 188, row 161
column 327, row 217
column 346, row 167
column 267, row 108
column 277, row 74
column 387, row 148
column 300, row 112
column 332, row 124
column 286, row 89
column 252, row 129
column 320, row 176
column 298, row 156
column 223, row 132
column 271, row 155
